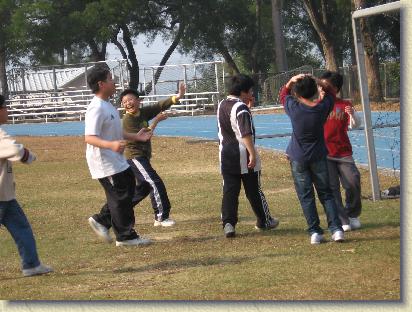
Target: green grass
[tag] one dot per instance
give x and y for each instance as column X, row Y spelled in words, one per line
column 192, row 261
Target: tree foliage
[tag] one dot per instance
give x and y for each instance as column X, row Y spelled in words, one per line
column 67, row 31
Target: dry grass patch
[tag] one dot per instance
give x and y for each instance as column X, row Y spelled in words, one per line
column 192, row 261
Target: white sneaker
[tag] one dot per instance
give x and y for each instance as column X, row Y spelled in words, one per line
column 38, row 270
column 229, row 230
column 273, row 223
column 346, row 227
column 166, row 222
column 134, row 242
column 316, row 238
column 355, row 223
column 100, row 230
column 338, row 236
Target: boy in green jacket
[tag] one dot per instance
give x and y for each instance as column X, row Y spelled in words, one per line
column 139, row 153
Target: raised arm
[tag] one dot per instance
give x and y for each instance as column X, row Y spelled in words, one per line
column 163, row 105
column 285, row 90
column 182, row 91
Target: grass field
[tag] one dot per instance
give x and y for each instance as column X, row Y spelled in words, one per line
column 192, row 261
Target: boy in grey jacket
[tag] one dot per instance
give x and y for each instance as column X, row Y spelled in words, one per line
column 11, row 214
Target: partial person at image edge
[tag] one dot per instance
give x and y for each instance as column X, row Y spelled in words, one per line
column 11, row 214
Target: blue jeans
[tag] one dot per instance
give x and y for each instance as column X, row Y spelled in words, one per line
column 305, row 175
column 14, row 219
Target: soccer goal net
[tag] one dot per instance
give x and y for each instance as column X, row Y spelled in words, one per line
column 381, row 119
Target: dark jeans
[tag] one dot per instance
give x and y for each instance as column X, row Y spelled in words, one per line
column 118, row 211
column 15, row 221
column 305, row 176
column 257, row 200
column 344, row 171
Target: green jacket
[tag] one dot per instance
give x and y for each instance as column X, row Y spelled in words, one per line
column 134, row 122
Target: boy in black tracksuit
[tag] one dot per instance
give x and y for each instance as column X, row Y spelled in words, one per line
column 239, row 160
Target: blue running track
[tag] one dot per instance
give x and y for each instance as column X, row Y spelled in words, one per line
column 387, row 140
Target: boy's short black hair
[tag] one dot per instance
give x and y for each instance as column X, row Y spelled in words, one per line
column 137, row 94
column 305, row 87
column 2, row 101
column 239, row 83
column 99, row 72
column 334, row 78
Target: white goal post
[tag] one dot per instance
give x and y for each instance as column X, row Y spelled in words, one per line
column 363, row 86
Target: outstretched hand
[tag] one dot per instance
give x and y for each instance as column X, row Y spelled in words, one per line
column 182, row 91
column 144, row 135
column 161, row 116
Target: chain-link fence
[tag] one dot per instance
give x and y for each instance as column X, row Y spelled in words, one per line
column 390, row 79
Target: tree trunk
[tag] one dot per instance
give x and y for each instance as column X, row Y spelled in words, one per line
column 233, row 69
column 166, row 57
column 371, row 57
column 62, row 58
column 254, row 55
column 3, row 74
column 318, row 22
column 134, row 64
column 69, row 55
column 280, row 50
column 97, row 55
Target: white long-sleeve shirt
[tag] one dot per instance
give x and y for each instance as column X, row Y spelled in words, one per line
column 9, row 151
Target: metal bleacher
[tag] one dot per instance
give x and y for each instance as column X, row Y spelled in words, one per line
column 59, row 94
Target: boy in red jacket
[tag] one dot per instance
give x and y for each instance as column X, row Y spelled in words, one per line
column 341, row 166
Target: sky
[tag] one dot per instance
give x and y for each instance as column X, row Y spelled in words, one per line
column 152, row 55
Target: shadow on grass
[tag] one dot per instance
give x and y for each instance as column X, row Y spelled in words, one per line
column 19, row 277
column 275, row 232
column 379, row 225
column 184, row 264
column 190, row 239
column 208, row 220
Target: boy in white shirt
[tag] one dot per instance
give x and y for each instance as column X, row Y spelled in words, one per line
column 104, row 153
column 11, row 214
